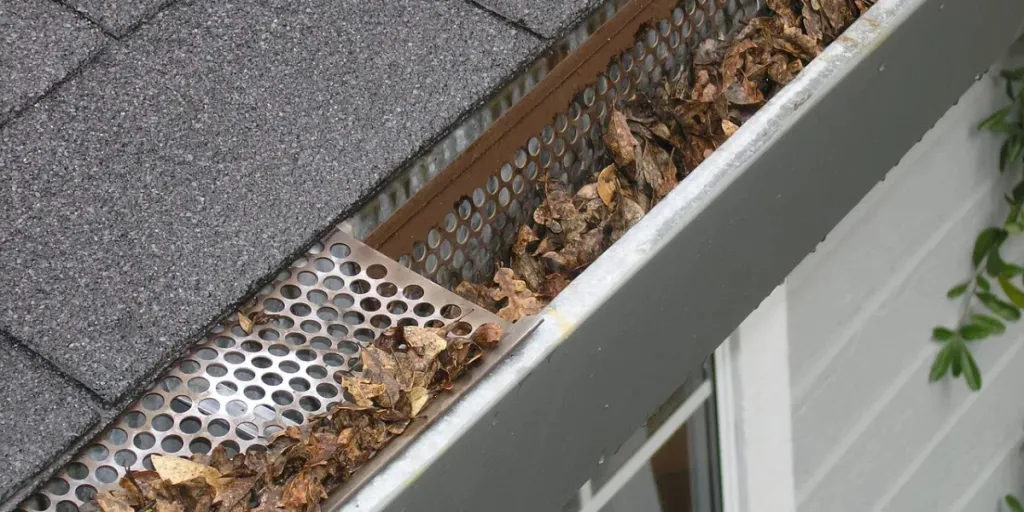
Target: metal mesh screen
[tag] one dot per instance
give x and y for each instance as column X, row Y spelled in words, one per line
column 236, row 389
column 473, row 236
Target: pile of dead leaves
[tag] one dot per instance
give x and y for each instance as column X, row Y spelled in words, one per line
column 401, row 371
column 654, row 140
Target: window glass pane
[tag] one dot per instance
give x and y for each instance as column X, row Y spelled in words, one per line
column 680, row 475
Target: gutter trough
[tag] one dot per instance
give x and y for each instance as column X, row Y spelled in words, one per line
column 568, row 386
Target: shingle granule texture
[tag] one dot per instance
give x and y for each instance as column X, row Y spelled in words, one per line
column 189, row 160
column 549, row 18
column 40, row 43
column 118, row 17
column 41, row 414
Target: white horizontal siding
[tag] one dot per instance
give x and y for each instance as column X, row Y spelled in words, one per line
column 869, row 432
column 866, row 430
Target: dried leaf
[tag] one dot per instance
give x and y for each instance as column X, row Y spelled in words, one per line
column 619, row 140
column 487, row 335
column 477, row 294
column 529, row 269
column 245, row 322
column 554, row 284
column 524, row 237
column 658, row 171
column 521, row 301
column 302, row 489
column 418, row 397
column 107, row 502
column 177, row 470
column 729, row 127
column 606, row 184
column 234, row 492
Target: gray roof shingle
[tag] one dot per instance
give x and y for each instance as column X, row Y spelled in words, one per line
column 545, row 17
column 40, row 44
column 41, row 414
column 118, row 17
column 189, row 160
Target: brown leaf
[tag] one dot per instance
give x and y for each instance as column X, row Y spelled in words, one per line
column 529, row 269
column 579, row 253
column 521, row 301
column 245, row 322
column 425, row 341
column 418, row 398
column 477, row 294
column 304, row 488
column 606, row 184
column 619, row 140
column 234, row 492
column 524, row 237
column 107, row 502
column 169, row 506
column 554, row 284
column 177, row 470
column 729, row 127
column 658, row 170
column 628, row 214
column 744, row 93
column 487, row 335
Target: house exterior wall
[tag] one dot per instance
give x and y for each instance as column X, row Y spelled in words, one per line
column 865, row 429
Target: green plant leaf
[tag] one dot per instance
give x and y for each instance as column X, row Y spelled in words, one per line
column 957, row 290
column 942, row 362
column 1001, row 309
column 1013, row 293
column 954, row 364
column 994, row 265
column 1013, row 228
column 1009, row 90
column 970, row 369
column 1016, row 148
column 942, row 334
column 994, row 325
column 1014, row 504
column 997, row 267
column 972, row 332
column 983, row 283
column 996, row 118
column 1018, row 193
column 1012, row 74
column 986, row 240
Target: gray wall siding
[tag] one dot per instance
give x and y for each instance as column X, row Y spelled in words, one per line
column 868, row 431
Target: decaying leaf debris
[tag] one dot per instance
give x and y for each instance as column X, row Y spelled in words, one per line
column 655, row 140
column 402, row 370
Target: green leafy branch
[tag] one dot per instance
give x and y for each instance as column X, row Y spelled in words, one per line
column 1013, row 503
column 984, row 312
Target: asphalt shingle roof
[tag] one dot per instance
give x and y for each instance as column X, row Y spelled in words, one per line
column 117, row 17
column 41, row 414
column 545, row 17
column 40, row 44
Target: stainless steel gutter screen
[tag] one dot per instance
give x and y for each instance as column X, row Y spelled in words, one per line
column 236, row 389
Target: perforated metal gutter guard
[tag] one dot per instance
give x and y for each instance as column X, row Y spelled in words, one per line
column 610, row 348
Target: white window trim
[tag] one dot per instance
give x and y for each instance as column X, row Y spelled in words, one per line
column 754, row 412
